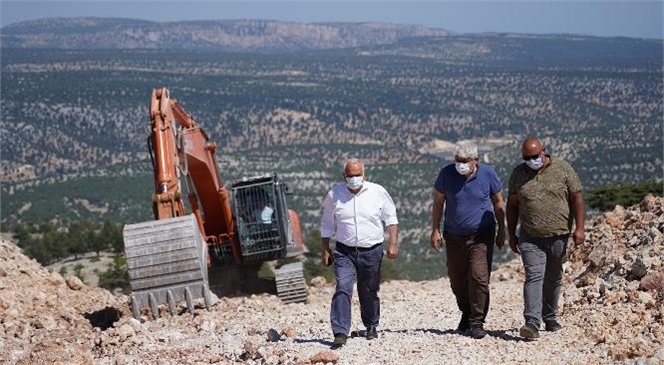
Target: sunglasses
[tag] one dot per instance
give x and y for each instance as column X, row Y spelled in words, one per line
column 531, row 157
column 463, row 160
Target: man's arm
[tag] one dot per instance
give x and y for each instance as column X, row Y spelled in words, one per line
column 512, row 219
column 326, row 257
column 577, row 205
column 437, row 214
column 393, row 236
column 499, row 211
column 327, row 226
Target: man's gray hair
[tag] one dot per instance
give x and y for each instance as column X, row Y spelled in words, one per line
column 354, row 161
column 466, row 149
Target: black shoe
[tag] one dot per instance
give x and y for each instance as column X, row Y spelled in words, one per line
column 552, row 326
column 371, row 333
column 464, row 325
column 477, row 331
column 528, row 331
column 340, row 339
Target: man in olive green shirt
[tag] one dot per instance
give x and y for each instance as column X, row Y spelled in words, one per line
column 545, row 196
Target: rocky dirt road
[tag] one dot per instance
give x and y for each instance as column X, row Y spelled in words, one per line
column 612, row 312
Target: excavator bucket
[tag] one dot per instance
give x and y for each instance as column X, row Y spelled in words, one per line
column 167, row 264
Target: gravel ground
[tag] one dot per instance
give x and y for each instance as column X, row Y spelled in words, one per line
column 611, row 311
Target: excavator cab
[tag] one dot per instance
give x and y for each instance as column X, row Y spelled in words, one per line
column 264, row 225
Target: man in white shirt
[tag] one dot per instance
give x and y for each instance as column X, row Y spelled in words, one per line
column 354, row 213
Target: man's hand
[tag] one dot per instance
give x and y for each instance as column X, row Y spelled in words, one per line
column 392, row 251
column 514, row 242
column 500, row 238
column 578, row 236
column 327, row 257
column 436, row 240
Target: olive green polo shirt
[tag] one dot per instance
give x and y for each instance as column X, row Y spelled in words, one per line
column 544, row 207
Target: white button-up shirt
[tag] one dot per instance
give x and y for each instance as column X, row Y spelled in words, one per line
column 357, row 219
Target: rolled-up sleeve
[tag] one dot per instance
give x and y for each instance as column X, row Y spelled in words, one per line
column 389, row 210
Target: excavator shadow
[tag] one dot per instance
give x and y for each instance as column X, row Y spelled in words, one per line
column 240, row 280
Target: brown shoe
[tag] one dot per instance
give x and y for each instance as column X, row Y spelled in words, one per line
column 528, row 331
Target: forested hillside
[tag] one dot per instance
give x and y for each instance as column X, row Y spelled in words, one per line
column 74, row 116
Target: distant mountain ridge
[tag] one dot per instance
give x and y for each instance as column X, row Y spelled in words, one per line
column 229, row 35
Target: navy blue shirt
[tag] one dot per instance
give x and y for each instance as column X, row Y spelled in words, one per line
column 468, row 207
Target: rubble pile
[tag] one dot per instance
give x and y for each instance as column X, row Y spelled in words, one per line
column 43, row 316
column 616, row 280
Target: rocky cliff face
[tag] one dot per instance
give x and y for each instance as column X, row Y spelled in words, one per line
column 611, row 311
column 229, row 35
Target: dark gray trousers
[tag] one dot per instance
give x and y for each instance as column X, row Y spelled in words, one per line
column 543, row 263
column 350, row 264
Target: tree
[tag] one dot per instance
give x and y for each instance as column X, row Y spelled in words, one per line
column 21, row 234
column 104, row 239
column 79, row 237
column 116, row 276
column 54, row 242
column 37, row 249
column 607, row 197
column 116, row 239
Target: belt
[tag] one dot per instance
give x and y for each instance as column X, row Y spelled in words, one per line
column 459, row 236
column 356, row 248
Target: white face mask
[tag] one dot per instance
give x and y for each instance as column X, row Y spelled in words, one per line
column 266, row 215
column 354, row 182
column 462, row 168
column 535, row 163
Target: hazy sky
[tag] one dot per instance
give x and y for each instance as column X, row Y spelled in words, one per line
column 642, row 19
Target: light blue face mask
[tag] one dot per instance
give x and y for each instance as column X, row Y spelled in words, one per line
column 535, row 163
column 266, row 215
column 354, row 182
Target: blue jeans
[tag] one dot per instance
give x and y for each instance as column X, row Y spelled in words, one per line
column 543, row 262
column 350, row 264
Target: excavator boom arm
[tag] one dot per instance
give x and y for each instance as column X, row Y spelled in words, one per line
column 181, row 146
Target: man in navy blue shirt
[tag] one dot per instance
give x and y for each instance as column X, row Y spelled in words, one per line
column 469, row 193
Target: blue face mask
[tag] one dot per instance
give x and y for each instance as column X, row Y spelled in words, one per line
column 354, row 182
column 535, row 163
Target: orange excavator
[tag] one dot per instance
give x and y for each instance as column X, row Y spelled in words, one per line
column 169, row 258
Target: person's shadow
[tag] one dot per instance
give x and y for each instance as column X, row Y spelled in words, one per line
column 502, row 334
